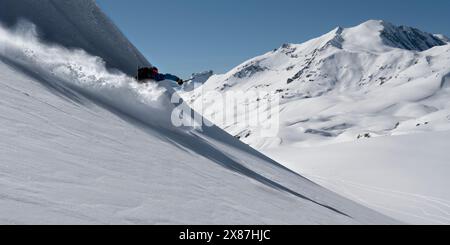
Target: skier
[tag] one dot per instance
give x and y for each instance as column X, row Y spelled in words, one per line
column 152, row 73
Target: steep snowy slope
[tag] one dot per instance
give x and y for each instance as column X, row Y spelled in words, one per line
column 82, row 144
column 351, row 84
column 70, row 23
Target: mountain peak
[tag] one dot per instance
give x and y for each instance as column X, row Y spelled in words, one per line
column 378, row 35
column 374, row 23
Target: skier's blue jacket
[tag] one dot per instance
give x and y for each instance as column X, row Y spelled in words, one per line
column 161, row 77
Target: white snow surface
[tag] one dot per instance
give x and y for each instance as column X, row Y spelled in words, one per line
column 372, row 80
column 405, row 177
column 83, row 144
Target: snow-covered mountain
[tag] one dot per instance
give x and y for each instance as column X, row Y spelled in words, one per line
column 371, row 80
column 349, row 85
column 201, row 77
column 81, row 143
column 196, row 80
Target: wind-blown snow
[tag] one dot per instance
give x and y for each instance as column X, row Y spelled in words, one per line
column 78, row 70
column 76, row 24
column 81, row 143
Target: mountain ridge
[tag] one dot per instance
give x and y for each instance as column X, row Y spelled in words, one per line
column 357, row 62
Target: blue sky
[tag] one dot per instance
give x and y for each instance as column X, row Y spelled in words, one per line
column 186, row 36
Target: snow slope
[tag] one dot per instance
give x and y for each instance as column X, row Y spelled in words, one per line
column 375, row 79
column 70, row 23
column 405, row 177
column 83, row 144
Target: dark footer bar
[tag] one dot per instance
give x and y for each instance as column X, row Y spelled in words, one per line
column 224, row 234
